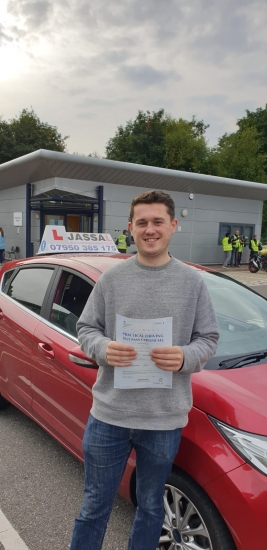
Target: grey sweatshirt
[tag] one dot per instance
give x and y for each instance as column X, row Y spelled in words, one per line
column 134, row 290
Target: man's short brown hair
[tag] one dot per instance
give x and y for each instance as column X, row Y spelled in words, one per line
column 150, row 197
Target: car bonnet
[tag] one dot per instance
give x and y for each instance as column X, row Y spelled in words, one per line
column 237, row 397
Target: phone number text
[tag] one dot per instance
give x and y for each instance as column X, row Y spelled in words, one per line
column 84, row 247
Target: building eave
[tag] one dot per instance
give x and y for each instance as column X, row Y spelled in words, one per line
column 44, row 164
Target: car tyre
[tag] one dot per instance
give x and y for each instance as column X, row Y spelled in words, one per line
column 191, row 519
column 3, row 403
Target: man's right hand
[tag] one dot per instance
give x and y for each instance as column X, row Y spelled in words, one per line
column 120, row 355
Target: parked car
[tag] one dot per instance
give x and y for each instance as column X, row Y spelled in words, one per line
column 216, row 496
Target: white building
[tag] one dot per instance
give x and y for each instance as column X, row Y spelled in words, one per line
column 90, row 194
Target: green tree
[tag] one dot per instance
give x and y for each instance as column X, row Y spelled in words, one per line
column 239, row 156
column 258, row 121
column 141, row 141
column 185, row 145
column 157, row 139
column 26, row 134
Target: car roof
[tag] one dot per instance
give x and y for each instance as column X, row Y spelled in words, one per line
column 100, row 262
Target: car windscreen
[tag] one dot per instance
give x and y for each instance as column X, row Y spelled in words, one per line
column 241, row 315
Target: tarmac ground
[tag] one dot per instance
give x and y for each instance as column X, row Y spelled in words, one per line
column 256, row 281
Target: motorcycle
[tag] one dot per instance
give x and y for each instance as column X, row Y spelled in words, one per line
column 257, row 262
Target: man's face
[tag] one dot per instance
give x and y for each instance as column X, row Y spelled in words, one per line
column 237, row 232
column 152, row 228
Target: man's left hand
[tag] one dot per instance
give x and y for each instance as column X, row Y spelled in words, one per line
column 170, row 358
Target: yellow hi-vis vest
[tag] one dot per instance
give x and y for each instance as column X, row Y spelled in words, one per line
column 226, row 245
column 235, row 241
column 122, row 243
column 254, row 245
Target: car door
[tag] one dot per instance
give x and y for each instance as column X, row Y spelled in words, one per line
column 61, row 379
column 21, row 302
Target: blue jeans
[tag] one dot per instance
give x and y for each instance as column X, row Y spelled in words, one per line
column 106, row 450
column 233, row 260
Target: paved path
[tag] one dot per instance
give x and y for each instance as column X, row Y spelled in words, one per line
column 257, row 281
column 9, row 538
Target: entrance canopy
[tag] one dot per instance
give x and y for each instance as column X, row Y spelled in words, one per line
column 44, row 164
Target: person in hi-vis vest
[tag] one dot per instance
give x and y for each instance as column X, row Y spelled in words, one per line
column 235, row 246
column 242, row 244
column 254, row 246
column 227, row 248
column 122, row 242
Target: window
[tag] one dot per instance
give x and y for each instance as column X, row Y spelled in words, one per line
column 6, row 278
column 29, row 287
column 71, row 296
column 246, row 230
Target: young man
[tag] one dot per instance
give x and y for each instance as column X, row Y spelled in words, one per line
column 151, row 285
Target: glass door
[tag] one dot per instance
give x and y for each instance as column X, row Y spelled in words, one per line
column 54, row 219
column 88, row 226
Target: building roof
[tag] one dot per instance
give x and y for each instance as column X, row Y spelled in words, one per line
column 43, row 164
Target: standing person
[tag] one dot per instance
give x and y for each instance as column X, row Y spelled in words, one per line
column 254, row 246
column 227, row 248
column 2, row 245
column 235, row 245
column 150, row 285
column 122, row 242
column 241, row 247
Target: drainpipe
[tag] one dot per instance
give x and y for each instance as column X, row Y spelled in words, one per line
column 100, row 208
column 29, row 247
column 192, row 197
column 41, row 222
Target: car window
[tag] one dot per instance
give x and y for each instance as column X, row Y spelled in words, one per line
column 29, row 287
column 70, row 298
column 6, row 278
column 241, row 315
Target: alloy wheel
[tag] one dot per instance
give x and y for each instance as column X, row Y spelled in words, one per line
column 183, row 527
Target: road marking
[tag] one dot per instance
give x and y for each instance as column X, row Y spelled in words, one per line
column 9, row 538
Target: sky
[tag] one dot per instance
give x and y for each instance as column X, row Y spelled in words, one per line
column 88, row 66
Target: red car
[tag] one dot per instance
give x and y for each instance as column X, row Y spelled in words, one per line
column 216, row 496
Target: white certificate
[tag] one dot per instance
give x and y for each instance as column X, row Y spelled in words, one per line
column 144, row 335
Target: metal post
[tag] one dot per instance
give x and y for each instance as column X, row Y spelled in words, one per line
column 100, row 208
column 28, row 221
column 42, row 226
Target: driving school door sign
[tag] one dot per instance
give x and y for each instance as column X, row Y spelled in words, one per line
column 56, row 239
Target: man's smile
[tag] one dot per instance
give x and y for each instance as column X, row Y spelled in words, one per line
column 151, row 240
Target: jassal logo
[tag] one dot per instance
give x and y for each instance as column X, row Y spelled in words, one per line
column 82, row 236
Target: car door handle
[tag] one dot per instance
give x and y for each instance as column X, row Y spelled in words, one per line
column 1, row 314
column 89, row 363
column 46, row 349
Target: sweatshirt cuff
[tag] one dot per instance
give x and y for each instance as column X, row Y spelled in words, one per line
column 191, row 361
column 181, row 366
column 101, row 354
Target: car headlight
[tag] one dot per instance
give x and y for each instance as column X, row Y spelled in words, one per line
column 252, row 447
